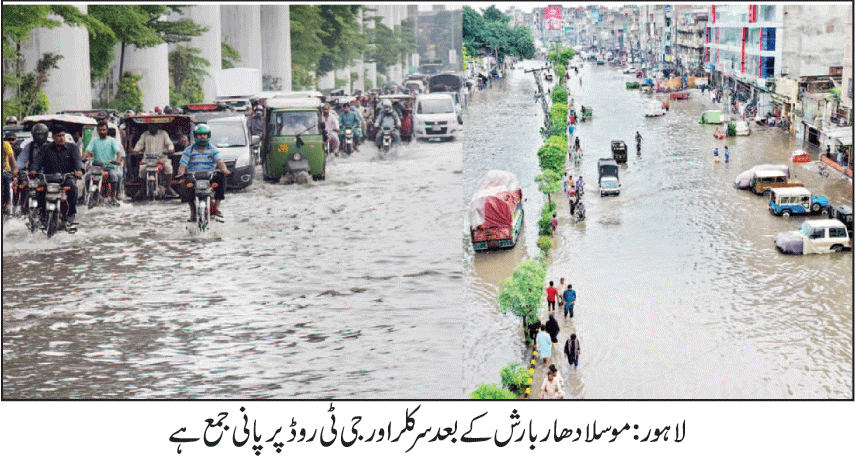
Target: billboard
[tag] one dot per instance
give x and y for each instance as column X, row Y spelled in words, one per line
column 553, row 17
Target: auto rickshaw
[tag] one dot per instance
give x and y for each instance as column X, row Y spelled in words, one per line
column 177, row 126
column 294, row 139
column 404, row 107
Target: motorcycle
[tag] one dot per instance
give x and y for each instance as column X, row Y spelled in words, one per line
column 348, row 144
column 203, row 189
column 98, row 189
column 21, row 203
column 580, row 214
column 386, row 141
column 56, row 204
column 153, row 173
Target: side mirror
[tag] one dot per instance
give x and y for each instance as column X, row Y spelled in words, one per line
column 255, row 140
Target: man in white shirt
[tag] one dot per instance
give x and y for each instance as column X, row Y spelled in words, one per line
column 157, row 141
column 331, row 127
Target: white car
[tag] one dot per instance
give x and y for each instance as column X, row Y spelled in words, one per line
column 815, row 236
column 654, row 109
column 435, row 116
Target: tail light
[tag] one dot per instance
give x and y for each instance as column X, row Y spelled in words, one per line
column 40, row 188
column 190, row 185
column 214, row 185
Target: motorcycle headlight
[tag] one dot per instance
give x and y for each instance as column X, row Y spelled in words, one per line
column 243, row 160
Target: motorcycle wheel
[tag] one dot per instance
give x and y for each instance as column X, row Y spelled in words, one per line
column 53, row 222
column 202, row 214
column 32, row 221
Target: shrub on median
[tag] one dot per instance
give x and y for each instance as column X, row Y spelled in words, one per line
column 492, row 391
column 560, row 95
column 516, row 378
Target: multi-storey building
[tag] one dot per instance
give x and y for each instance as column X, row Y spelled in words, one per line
column 690, row 37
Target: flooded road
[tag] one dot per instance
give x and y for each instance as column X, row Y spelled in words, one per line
column 344, row 288
column 681, row 292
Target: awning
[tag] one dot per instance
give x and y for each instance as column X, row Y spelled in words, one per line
column 842, row 135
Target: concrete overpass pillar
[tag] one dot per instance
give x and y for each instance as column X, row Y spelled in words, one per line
column 152, row 65
column 208, row 43
column 277, row 52
column 241, row 27
column 68, row 87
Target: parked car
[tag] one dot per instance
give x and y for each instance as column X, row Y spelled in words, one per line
column 231, row 136
column 796, row 200
column 764, row 180
column 435, row 116
column 815, row 236
column 844, row 214
column 745, row 179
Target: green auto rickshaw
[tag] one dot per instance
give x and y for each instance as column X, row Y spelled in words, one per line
column 294, row 139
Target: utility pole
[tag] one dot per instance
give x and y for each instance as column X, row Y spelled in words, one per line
column 540, row 94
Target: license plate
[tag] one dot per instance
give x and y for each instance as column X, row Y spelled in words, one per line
column 33, row 203
column 93, row 188
column 51, row 206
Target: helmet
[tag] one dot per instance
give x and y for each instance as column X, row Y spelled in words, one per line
column 8, row 135
column 11, row 120
column 102, row 114
column 40, row 134
column 202, row 129
column 157, row 109
column 168, row 110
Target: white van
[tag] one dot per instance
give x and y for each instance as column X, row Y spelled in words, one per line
column 435, row 116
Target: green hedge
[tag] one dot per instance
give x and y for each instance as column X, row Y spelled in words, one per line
column 516, row 378
column 492, row 391
column 560, row 95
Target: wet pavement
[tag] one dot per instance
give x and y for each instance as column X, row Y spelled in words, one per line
column 344, row 288
column 681, row 291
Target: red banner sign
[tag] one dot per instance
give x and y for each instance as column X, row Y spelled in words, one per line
column 553, row 17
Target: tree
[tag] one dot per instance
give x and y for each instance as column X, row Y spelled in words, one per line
column 143, row 26
column 548, row 182
column 492, row 14
column 521, row 293
column 128, row 96
column 187, row 71
column 18, row 22
column 229, row 56
column 307, row 47
column 341, row 37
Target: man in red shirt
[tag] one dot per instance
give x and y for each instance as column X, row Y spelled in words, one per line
column 552, row 292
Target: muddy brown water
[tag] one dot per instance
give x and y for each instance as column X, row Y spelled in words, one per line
column 344, row 288
column 681, row 291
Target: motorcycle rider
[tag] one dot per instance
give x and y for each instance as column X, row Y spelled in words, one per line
column 331, row 128
column 32, row 146
column 10, row 170
column 639, row 139
column 387, row 119
column 106, row 150
column 256, row 124
column 348, row 120
column 579, row 184
column 156, row 141
column 58, row 157
column 202, row 156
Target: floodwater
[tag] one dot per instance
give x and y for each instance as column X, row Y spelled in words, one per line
column 344, row 288
column 681, row 292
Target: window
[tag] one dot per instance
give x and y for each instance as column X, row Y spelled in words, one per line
column 766, row 12
column 817, row 234
column 837, row 232
column 296, row 123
